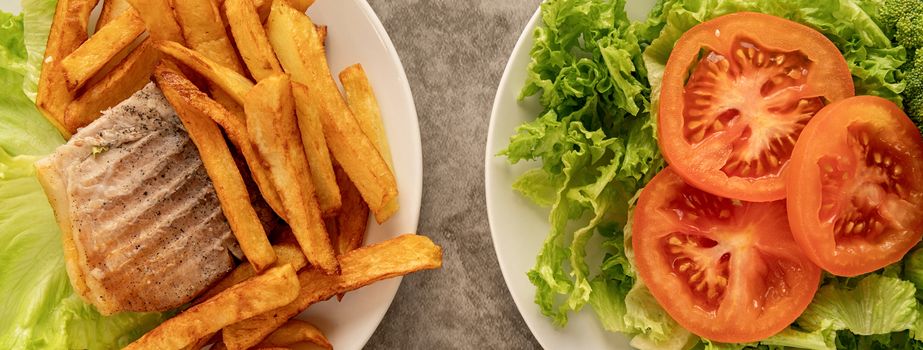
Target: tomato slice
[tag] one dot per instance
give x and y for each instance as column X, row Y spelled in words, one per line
column 724, row 269
column 855, row 186
column 737, row 91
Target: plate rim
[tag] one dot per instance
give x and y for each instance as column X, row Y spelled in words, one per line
column 412, row 129
column 524, row 37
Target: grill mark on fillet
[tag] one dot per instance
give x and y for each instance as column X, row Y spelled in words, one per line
column 145, row 219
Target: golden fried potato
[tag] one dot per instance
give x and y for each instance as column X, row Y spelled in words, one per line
column 277, row 286
column 364, row 105
column 220, row 166
column 361, row 267
column 294, row 332
column 111, row 9
column 204, row 31
column 158, row 17
column 123, row 81
column 286, row 253
column 233, row 123
column 315, row 148
column 68, row 31
column 90, row 57
column 352, row 222
column 235, row 84
column 263, row 6
column 251, row 39
column 298, row 47
column 273, row 128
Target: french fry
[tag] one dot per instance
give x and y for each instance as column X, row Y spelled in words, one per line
column 352, row 222
column 322, row 34
column 202, row 342
column 123, row 81
column 272, row 126
column 114, row 62
column 234, row 124
column 364, row 105
column 251, row 39
column 286, row 253
column 68, row 31
column 235, row 84
column 315, row 148
column 101, row 48
column 297, row 45
column 111, row 10
column 204, row 31
column 277, row 286
column 293, row 332
column 361, row 267
column 220, row 166
column 263, row 6
column 158, row 17
column 332, row 231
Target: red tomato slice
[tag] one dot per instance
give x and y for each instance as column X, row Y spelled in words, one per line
column 855, row 186
column 737, row 91
column 726, row 270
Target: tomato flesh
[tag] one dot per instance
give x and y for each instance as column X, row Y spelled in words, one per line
column 724, row 269
column 855, row 188
column 737, row 91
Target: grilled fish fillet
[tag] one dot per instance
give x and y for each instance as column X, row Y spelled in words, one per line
column 141, row 223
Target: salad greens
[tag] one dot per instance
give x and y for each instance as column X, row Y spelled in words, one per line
column 39, row 308
column 596, row 143
column 597, row 74
column 904, row 18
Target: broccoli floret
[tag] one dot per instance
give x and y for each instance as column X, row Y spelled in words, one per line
column 894, row 10
column 909, row 30
column 913, row 92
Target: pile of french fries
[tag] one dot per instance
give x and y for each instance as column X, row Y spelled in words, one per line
column 255, row 73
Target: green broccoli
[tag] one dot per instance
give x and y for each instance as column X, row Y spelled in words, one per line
column 894, row 10
column 904, row 18
column 908, row 30
column 913, row 92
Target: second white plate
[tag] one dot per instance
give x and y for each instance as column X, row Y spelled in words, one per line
column 518, row 226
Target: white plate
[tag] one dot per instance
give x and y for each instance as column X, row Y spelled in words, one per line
column 518, row 226
column 357, row 36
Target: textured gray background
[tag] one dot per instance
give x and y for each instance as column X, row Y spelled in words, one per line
column 454, row 53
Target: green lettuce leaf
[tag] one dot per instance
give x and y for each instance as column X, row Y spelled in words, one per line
column 846, row 340
column 595, row 140
column 18, row 113
column 39, row 309
column 824, row 339
column 598, row 75
column 913, row 268
column 31, row 260
column 876, row 305
column 37, row 17
column 873, row 60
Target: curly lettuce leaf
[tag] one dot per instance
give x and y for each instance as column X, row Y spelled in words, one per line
column 598, row 77
column 876, row 305
column 872, row 58
column 595, row 140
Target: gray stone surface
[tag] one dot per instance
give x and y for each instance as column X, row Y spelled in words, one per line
column 454, row 53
